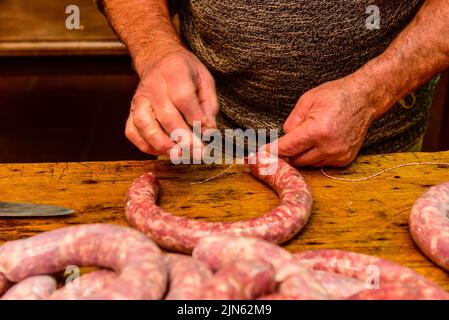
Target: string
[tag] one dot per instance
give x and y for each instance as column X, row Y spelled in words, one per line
column 338, row 178
column 385, row 171
column 216, row 176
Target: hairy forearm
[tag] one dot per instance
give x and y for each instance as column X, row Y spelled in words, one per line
column 419, row 52
column 144, row 26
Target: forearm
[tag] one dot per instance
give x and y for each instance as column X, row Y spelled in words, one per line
column 419, row 52
column 144, row 26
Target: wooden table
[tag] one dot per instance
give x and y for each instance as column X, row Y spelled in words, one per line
column 368, row 217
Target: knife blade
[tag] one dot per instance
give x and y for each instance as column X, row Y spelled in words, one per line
column 16, row 209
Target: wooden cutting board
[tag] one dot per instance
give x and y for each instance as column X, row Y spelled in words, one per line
column 367, row 217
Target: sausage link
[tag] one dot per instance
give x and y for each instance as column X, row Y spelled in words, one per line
column 401, row 291
column 242, row 280
column 135, row 258
column 87, row 285
column 181, row 234
column 332, row 286
column 366, row 268
column 32, row 288
column 339, row 286
column 186, row 276
column 429, row 224
column 219, row 251
column 300, row 285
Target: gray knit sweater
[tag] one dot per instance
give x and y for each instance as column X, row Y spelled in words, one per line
column 264, row 54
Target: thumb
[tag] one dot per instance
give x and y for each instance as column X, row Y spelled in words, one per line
column 296, row 141
column 297, row 116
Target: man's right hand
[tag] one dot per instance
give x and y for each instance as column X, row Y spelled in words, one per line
column 175, row 90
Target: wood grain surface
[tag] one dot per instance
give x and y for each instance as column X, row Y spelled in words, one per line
column 367, row 217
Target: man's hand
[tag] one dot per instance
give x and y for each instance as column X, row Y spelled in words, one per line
column 328, row 125
column 175, row 90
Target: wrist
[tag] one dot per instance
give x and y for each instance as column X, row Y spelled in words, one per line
column 377, row 86
column 151, row 54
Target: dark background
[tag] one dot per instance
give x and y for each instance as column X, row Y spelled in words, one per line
column 65, row 94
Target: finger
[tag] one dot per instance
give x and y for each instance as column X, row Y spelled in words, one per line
column 183, row 95
column 147, row 126
column 320, row 164
column 296, row 117
column 308, row 158
column 207, row 95
column 295, row 142
column 133, row 135
column 333, row 163
column 170, row 119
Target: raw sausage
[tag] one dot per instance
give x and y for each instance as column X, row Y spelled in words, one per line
column 401, row 291
column 373, row 271
column 181, row 234
column 429, row 224
column 339, row 286
column 187, row 277
column 32, row 288
column 135, row 258
column 218, row 251
column 242, row 280
column 299, row 285
column 333, row 286
column 87, row 285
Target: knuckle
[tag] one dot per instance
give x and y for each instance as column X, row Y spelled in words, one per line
column 289, row 151
column 287, row 128
column 333, row 149
column 326, row 132
column 129, row 132
column 304, row 98
column 140, row 119
column 207, row 80
column 150, row 131
column 139, row 98
column 167, row 115
column 182, row 95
